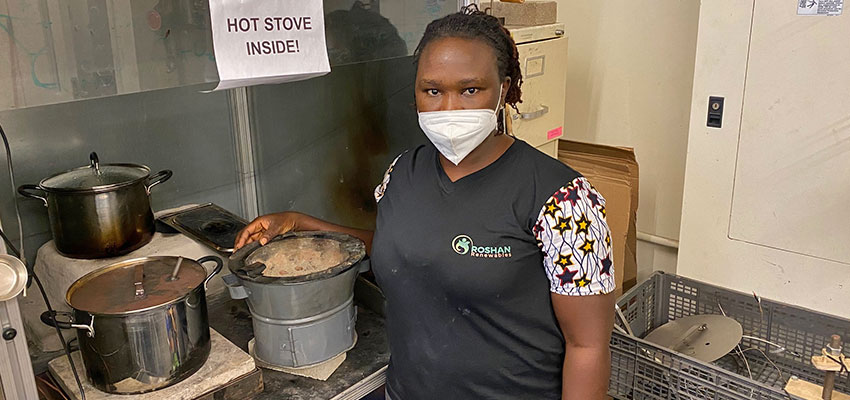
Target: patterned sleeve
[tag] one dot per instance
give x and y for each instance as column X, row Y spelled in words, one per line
column 572, row 233
column 379, row 191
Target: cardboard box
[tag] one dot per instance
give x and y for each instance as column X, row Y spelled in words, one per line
column 613, row 171
column 529, row 13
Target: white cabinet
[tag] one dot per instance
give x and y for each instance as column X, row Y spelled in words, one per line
column 543, row 61
column 550, row 148
column 765, row 202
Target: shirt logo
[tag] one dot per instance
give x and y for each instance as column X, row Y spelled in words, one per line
column 463, row 245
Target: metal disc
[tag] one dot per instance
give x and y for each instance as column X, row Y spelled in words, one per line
column 704, row 337
column 13, row 277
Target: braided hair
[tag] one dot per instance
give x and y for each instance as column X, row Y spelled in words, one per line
column 471, row 23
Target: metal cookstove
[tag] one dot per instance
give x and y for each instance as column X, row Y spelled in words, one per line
column 303, row 320
column 300, row 322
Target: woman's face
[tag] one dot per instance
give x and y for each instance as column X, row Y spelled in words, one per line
column 458, row 74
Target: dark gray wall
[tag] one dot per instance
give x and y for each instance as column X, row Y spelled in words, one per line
column 321, row 146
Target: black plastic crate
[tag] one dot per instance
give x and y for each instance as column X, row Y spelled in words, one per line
column 643, row 371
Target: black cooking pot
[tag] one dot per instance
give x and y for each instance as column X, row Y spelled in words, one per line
column 99, row 210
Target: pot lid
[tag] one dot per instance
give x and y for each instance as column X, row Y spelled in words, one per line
column 135, row 285
column 96, row 176
column 298, row 257
column 13, row 277
column 704, row 337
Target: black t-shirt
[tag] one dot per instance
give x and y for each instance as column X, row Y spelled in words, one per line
column 467, row 268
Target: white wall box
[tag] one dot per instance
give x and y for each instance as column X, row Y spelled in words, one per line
column 765, row 202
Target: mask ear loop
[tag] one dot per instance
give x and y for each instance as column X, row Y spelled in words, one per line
column 501, row 124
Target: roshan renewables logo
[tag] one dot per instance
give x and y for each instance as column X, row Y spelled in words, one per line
column 463, row 245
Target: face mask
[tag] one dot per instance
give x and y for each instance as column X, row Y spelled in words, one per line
column 455, row 133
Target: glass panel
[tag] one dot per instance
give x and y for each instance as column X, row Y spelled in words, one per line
column 54, row 51
column 366, row 30
column 329, row 166
column 178, row 129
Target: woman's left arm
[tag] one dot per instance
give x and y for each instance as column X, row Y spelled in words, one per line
column 586, row 322
column 574, row 237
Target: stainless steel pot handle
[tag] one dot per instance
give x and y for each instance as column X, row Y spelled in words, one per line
column 23, row 190
column 234, row 286
column 217, row 269
column 158, row 178
column 49, row 319
column 365, row 265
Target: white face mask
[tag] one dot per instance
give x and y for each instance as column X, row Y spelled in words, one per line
column 455, row 133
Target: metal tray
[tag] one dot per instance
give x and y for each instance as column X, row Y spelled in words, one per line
column 208, row 224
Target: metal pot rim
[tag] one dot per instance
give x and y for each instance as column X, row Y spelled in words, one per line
column 139, row 311
column 95, row 189
column 355, row 247
column 99, row 271
column 284, row 282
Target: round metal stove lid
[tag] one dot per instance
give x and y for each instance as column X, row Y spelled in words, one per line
column 13, row 277
column 704, row 337
column 135, row 285
column 297, row 257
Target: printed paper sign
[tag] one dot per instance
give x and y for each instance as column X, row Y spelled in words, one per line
column 555, row 133
column 820, row 7
column 268, row 41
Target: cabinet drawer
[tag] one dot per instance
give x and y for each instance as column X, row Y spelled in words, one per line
column 541, row 116
column 550, row 148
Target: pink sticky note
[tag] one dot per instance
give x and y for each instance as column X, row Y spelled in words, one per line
column 555, row 133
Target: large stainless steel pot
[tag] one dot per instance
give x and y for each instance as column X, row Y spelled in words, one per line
column 102, row 210
column 302, row 320
column 138, row 329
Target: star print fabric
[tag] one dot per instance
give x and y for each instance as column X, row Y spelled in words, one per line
column 382, row 188
column 573, row 234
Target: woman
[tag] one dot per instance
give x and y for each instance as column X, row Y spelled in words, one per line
column 495, row 259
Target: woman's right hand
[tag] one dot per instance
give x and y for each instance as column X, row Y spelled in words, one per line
column 264, row 228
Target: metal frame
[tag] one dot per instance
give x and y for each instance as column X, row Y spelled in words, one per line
column 240, row 115
column 16, row 371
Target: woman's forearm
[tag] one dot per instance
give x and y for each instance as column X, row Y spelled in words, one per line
column 586, row 373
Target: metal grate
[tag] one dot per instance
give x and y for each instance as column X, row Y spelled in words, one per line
column 641, row 370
